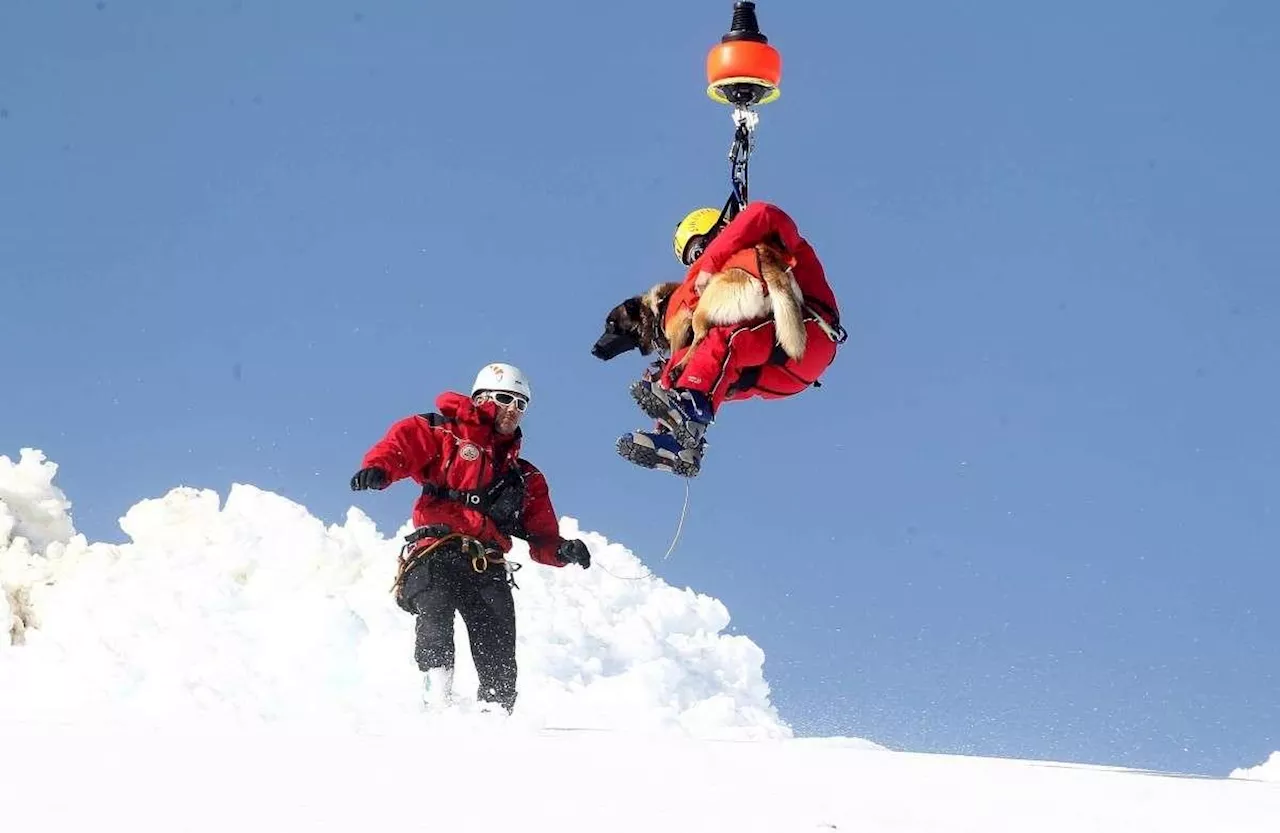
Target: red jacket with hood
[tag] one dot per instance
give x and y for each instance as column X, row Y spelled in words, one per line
column 465, row 452
column 716, row 366
column 758, row 223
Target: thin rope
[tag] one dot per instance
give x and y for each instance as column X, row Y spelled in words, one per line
column 683, row 512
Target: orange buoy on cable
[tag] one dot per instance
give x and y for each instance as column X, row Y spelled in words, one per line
column 743, row 69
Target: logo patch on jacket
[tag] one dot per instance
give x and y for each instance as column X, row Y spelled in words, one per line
column 469, row 452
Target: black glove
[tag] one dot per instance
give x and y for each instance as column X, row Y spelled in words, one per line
column 371, row 478
column 574, row 551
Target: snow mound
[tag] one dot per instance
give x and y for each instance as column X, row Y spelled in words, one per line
column 253, row 611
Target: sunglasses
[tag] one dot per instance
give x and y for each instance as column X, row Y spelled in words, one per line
column 504, row 399
column 694, row 249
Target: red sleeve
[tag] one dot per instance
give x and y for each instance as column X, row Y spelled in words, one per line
column 754, row 225
column 407, row 448
column 540, row 519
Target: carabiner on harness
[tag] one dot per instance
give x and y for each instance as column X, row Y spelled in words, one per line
column 745, row 121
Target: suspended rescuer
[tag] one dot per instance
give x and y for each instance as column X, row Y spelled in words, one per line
column 754, row 317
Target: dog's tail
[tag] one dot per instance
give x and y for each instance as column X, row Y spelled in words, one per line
column 788, row 319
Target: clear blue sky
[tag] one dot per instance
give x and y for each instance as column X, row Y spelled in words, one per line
column 1034, row 510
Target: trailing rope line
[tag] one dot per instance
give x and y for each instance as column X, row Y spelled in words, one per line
column 680, row 527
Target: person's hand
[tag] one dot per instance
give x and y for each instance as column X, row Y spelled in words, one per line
column 574, row 551
column 370, row 478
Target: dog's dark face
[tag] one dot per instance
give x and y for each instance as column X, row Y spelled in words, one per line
column 628, row 326
column 636, row 324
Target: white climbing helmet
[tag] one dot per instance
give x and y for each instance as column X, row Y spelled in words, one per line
column 502, row 377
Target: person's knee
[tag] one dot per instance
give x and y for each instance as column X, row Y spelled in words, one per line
column 412, row 587
column 434, row 656
column 433, row 646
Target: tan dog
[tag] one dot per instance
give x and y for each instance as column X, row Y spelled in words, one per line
column 735, row 296
column 730, row 297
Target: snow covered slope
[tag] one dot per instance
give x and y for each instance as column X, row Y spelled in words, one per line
column 239, row 665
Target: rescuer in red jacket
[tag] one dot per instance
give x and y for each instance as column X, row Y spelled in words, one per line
column 477, row 492
column 737, row 361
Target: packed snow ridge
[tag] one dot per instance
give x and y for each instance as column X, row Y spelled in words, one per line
column 254, row 611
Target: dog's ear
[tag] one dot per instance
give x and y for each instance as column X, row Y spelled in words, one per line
column 656, row 298
column 641, row 322
column 633, row 310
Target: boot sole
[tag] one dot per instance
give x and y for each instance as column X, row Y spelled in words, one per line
column 649, row 458
column 655, row 408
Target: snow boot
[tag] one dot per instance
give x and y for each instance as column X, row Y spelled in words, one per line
column 686, row 413
column 437, row 687
column 660, row 450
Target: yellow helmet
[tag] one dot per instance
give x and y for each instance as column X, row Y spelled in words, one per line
column 697, row 224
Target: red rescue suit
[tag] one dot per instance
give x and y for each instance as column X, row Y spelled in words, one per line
column 740, row 361
column 463, row 451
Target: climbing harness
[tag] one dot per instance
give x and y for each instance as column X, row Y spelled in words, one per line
column 481, row 556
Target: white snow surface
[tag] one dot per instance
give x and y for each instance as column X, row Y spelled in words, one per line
column 239, row 664
column 1268, row 770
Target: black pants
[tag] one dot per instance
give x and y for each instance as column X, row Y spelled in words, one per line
column 445, row 582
